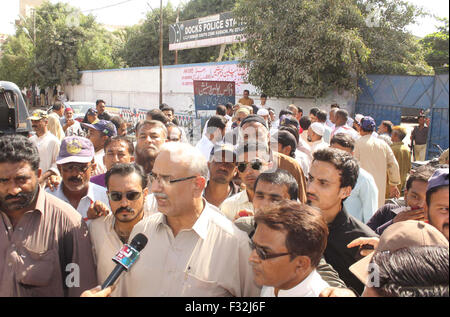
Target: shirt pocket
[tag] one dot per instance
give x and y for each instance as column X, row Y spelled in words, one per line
column 197, row 287
column 37, row 269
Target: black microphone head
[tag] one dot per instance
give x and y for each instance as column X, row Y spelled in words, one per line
column 139, row 242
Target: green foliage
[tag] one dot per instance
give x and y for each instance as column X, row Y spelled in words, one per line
column 309, row 47
column 436, row 46
column 141, row 42
column 15, row 64
column 53, row 49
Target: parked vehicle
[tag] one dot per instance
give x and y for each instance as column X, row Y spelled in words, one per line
column 79, row 108
column 13, row 110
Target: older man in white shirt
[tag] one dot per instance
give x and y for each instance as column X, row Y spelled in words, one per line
column 75, row 163
column 189, row 239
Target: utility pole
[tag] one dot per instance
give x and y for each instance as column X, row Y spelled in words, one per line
column 160, row 52
column 34, row 46
column 177, row 21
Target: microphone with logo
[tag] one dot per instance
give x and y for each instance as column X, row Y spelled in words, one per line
column 125, row 258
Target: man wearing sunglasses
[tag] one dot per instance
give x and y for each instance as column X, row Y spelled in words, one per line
column 193, row 250
column 252, row 161
column 254, row 129
column 75, row 164
column 288, row 244
column 127, row 191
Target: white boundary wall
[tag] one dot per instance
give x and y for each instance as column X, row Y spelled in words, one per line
column 138, row 88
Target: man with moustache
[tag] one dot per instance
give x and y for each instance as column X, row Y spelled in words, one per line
column 253, row 160
column 288, row 245
column 46, row 143
column 44, row 241
column 98, row 133
column 222, row 169
column 118, row 149
column 76, row 163
column 150, row 135
column 414, row 202
column 332, row 177
column 127, row 191
column 189, row 238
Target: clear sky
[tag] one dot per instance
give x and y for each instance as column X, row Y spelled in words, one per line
column 129, row 12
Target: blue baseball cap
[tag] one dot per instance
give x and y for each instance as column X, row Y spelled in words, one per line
column 75, row 149
column 106, row 127
column 439, row 178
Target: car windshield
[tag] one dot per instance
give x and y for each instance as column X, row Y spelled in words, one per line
column 80, row 108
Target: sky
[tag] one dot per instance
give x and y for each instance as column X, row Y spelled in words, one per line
column 129, row 12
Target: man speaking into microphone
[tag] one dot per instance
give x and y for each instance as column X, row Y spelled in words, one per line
column 127, row 190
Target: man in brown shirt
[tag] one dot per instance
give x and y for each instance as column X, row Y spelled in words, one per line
column 246, row 101
column 45, row 249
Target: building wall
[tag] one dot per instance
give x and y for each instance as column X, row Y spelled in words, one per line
column 26, row 5
column 138, row 88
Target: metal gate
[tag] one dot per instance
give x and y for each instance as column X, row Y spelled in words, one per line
column 384, row 97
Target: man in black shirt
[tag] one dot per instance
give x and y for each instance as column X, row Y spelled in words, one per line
column 415, row 197
column 332, row 177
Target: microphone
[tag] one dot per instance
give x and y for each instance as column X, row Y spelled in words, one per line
column 125, row 258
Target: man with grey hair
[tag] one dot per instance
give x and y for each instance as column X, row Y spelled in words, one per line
column 189, row 237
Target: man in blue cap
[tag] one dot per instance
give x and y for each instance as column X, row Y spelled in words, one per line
column 98, row 133
column 437, row 199
column 376, row 157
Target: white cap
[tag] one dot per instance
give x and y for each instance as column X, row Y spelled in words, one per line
column 358, row 118
column 318, row 128
column 262, row 112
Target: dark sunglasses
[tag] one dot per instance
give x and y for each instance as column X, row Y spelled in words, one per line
column 117, row 196
column 256, row 165
column 262, row 254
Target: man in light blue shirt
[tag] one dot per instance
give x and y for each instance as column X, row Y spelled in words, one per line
column 363, row 201
column 75, row 164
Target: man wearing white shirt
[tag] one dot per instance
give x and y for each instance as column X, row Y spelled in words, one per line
column 99, row 131
column 189, row 239
column 76, row 163
column 363, row 201
column 341, row 125
column 46, row 143
column 315, row 133
column 288, row 244
column 214, row 134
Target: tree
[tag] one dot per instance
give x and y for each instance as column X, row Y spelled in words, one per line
column 436, row 46
column 53, row 48
column 309, row 47
column 302, row 48
column 16, row 64
column 141, row 47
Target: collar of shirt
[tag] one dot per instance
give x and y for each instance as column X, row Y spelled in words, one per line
column 90, row 194
column 200, row 226
column 340, row 219
column 309, row 287
column 40, row 201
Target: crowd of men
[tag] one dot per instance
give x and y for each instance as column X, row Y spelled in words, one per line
column 263, row 205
